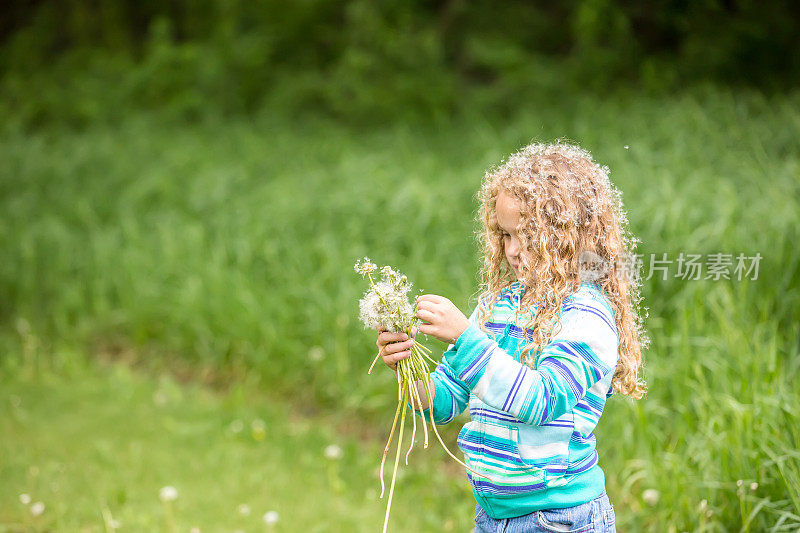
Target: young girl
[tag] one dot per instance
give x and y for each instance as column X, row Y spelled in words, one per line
column 545, row 347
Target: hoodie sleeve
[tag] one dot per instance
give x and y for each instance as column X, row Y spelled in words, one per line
column 581, row 354
column 452, row 394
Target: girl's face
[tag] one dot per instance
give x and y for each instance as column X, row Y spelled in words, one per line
column 508, row 210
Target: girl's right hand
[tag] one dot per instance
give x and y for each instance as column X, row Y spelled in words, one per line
column 394, row 347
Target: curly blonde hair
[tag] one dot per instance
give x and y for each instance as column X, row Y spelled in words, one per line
column 570, row 211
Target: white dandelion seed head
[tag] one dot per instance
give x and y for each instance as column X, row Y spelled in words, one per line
column 365, row 266
column 168, row 494
column 37, row 508
column 25, row 499
column 333, row 452
column 159, row 398
column 385, row 305
column 271, row 518
column 258, row 429
column 316, row 353
column 651, row 496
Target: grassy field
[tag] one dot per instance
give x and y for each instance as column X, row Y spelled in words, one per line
column 97, row 443
column 221, row 253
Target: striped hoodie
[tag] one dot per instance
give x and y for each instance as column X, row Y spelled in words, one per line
column 531, row 429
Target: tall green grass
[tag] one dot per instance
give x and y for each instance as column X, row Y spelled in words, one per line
column 229, row 245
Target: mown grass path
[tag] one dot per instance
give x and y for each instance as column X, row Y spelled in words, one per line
column 97, row 446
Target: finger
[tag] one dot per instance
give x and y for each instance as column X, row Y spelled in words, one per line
column 388, row 337
column 425, row 298
column 425, row 315
column 427, row 329
column 395, row 357
column 396, row 347
column 432, row 298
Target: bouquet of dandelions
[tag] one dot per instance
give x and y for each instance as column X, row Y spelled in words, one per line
column 385, row 306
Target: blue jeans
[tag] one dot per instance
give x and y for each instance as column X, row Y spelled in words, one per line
column 595, row 516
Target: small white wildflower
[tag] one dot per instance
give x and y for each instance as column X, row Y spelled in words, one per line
column 753, row 486
column 651, row 496
column 25, row 499
column 333, row 452
column 243, row 509
column 168, row 494
column 316, row 353
column 739, row 483
column 159, row 398
column 626, row 146
column 703, row 505
column 37, row 508
column 258, row 429
column 271, row 518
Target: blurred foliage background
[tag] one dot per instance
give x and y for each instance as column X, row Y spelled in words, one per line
column 365, row 60
column 185, row 187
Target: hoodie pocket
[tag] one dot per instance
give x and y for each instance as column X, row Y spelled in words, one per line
column 470, row 442
column 543, row 448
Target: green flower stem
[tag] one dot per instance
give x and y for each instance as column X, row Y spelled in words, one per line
column 413, row 419
column 415, row 390
column 389, row 441
column 396, row 461
column 436, row 432
column 373, row 363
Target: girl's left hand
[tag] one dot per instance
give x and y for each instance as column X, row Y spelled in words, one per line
column 440, row 318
